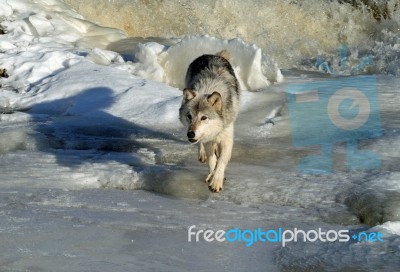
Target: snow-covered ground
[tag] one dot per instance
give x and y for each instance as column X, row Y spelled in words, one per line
column 96, row 173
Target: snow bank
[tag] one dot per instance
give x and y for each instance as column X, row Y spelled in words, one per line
column 294, row 33
column 54, row 73
column 52, row 24
column 253, row 69
column 168, row 63
column 107, row 91
column 45, row 38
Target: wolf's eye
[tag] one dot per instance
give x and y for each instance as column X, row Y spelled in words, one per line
column 189, row 117
column 204, row 118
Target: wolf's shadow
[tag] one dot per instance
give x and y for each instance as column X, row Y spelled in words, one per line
column 81, row 122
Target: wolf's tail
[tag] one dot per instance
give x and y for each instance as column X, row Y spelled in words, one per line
column 224, row 53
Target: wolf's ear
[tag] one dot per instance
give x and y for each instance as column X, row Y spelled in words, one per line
column 188, row 94
column 215, row 100
column 224, row 53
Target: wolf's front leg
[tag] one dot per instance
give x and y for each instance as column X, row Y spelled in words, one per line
column 225, row 147
column 212, row 159
column 202, row 153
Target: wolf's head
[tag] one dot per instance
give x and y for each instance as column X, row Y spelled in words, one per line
column 202, row 115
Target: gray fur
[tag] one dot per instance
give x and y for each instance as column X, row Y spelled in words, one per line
column 210, row 73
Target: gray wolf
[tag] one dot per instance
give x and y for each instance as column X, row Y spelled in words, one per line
column 209, row 109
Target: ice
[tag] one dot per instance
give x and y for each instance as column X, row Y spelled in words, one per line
column 348, row 256
column 96, row 173
column 389, row 227
column 376, row 198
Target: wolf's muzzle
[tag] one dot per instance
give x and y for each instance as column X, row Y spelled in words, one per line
column 191, row 136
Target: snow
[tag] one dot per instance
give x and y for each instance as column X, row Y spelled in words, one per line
column 304, row 34
column 96, row 174
column 247, row 61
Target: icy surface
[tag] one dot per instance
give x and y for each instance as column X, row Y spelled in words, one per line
column 96, row 173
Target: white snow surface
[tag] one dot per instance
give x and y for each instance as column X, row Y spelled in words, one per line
column 96, row 173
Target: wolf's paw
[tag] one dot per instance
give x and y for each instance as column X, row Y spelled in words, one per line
column 216, row 184
column 202, row 156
